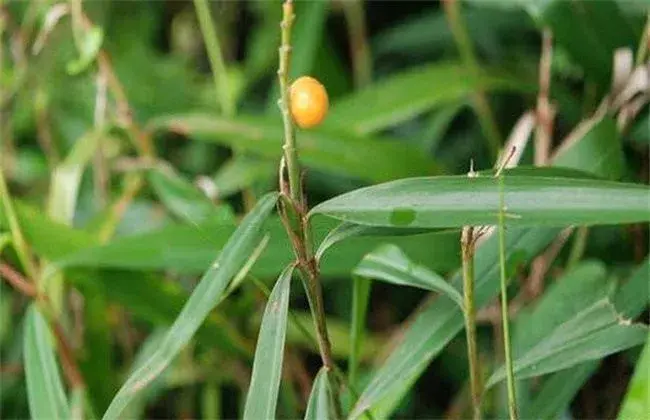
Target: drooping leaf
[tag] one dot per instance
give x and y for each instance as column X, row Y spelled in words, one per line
column 439, row 321
column 66, row 178
column 569, row 326
column 203, row 299
column 262, row 395
column 45, row 392
column 331, row 150
column 321, row 400
column 388, row 263
column 455, row 201
column 406, row 95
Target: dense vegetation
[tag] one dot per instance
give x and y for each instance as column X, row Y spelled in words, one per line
column 172, row 246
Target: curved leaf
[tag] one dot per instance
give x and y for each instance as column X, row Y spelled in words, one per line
column 203, row 299
column 262, row 395
column 45, row 392
column 388, row 263
column 439, row 321
column 455, row 201
column 403, row 96
column 321, row 400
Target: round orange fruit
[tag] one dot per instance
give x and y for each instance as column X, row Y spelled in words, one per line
column 309, row 102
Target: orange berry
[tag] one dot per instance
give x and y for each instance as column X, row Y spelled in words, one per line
column 309, row 102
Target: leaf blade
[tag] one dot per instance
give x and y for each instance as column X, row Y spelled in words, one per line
column 388, row 263
column 262, row 395
column 454, row 201
column 320, row 405
column 198, row 306
column 45, row 392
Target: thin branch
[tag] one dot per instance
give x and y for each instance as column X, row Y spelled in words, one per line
column 466, row 50
column 545, row 111
column 70, row 368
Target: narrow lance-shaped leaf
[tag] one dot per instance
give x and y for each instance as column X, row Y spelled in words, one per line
column 592, row 334
column 454, row 201
column 267, row 367
column 360, row 299
column 203, row 299
column 559, row 389
column 405, row 95
column 45, row 392
column 388, row 263
column 321, row 400
column 575, row 322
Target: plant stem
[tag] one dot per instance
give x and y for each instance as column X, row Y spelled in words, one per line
column 18, row 240
column 482, row 106
column 353, row 11
column 467, row 249
column 512, row 400
column 294, row 211
column 290, row 152
column 578, row 246
column 217, row 63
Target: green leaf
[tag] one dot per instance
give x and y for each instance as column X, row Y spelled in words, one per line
column 388, row 263
column 559, row 389
column 184, row 200
column 589, row 31
column 242, row 172
column 455, row 201
column 571, row 325
column 64, row 184
column 321, row 400
column 203, row 299
column 636, row 404
column 439, row 321
column 594, row 146
column 45, row 392
column 349, row 230
column 262, row 395
column 360, row 300
column 91, row 42
column 401, row 97
column 335, row 151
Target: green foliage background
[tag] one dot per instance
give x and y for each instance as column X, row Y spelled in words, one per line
column 117, row 235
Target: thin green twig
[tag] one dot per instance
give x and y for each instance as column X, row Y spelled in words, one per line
column 512, row 401
column 353, row 11
column 482, row 106
column 467, row 249
column 217, row 62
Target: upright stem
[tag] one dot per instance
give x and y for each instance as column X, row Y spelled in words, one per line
column 512, row 399
column 359, row 47
column 217, row 63
column 294, row 212
column 464, row 44
column 467, row 249
column 290, row 152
